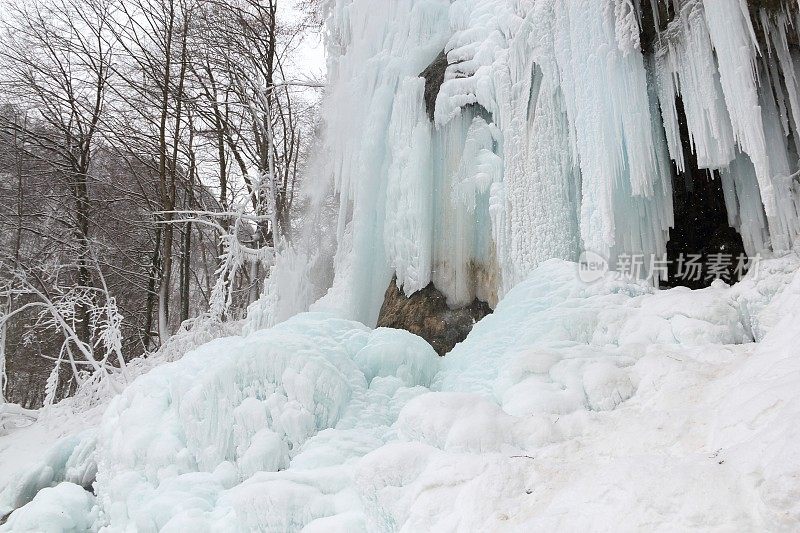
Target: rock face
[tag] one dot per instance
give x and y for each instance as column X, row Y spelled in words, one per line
column 434, row 77
column 426, row 313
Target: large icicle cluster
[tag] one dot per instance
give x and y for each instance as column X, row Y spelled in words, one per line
column 553, row 133
column 740, row 98
column 372, row 106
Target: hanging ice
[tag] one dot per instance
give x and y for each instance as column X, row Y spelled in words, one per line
column 549, row 132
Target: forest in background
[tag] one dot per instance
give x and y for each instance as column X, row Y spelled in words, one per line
column 150, row 156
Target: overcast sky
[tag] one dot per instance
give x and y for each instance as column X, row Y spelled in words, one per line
column 311, row 56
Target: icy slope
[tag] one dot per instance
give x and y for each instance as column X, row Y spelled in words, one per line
column 602, row 407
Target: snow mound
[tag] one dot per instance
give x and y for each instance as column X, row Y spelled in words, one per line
column 758, row 426
column 65, row 508
column 532, row 353
column 605, row 406
column 70, row 460
column 212, row 435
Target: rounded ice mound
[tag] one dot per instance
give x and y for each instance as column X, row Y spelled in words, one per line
column 551, row 310
column 606, row 386
column 65, row 508
column 248, row 403
column 537, row 395
column 468, row 423
column 394, row 352
column 677, row 316
column 553, row 316
column 70, row 460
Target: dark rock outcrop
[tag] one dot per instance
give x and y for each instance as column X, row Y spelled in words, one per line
column 434, row 78
column 426, row 313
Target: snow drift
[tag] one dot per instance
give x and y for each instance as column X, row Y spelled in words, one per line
column 603, row 406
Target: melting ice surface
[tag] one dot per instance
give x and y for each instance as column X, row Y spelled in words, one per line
column 607, row 406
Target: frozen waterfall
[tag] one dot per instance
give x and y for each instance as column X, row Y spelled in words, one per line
column 553, row 130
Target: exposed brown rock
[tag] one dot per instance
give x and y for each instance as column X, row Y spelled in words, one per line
column 426, row 313
column 434, row 78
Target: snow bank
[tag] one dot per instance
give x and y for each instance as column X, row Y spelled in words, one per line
column 557, row 317
column 65, row 508
column 758, row 426
column 591, row 407
column 605, row 406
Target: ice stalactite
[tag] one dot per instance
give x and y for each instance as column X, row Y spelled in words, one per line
column 685, row 66
column 468, row 141
column 624, row 178
column 371, row 53
column 733, row 38
column 533, row 207
column 463, row 174
column 409, row 194
column 585, row 160
column 743, row 202
column 737, row 85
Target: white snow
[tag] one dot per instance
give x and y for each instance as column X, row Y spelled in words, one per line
column 606, row 406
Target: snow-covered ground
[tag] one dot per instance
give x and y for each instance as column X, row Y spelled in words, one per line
column 574, row 407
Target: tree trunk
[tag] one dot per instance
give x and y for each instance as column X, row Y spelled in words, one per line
column 84, row 254
column 155, row 275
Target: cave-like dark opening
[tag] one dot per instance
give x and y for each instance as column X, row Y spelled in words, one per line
column 701, row 235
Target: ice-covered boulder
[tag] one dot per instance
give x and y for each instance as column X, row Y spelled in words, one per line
column 65, row 508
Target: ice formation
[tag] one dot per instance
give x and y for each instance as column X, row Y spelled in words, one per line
column 65, row 508
column 605, row 406
column 608, row 406
column 555, row 131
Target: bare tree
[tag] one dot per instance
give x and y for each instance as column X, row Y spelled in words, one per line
column 58, row 60
column 175, row 134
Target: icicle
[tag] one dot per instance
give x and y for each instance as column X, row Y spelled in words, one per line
column 463, row 172
column 409, row 191
column 547, row 136
column 608, row 109
column 733, row 38
column 745, row 209
column 784, row 224
column 686, row 66
column 777, row 35
column 373, row 52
